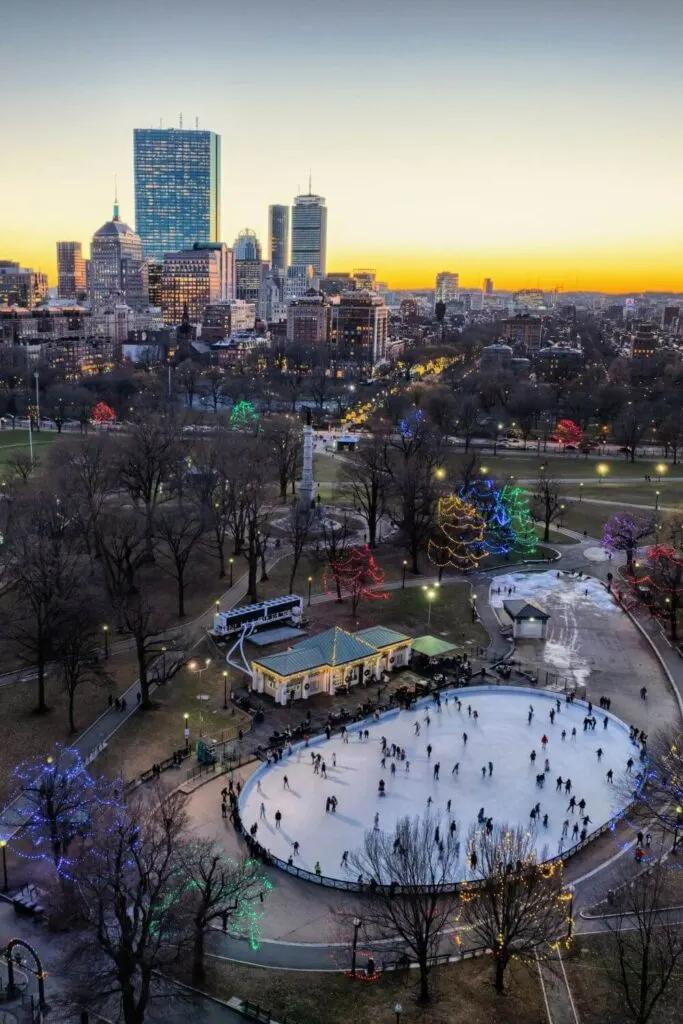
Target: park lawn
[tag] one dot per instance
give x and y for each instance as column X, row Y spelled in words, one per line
column 637, row 493
column 598, row 999
column 464, row 995
column 16, row 442
column 407, row 611
column 527, row 467
column 314, row 565
column 328, row 468
column 555, row 536
column 150, row 736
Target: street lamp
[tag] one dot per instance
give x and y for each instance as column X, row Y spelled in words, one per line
column 570, row 916
column 474, row 607
column 679, row 813
column 656, row 501
column 231, row 562
column 661, row 468
column 3, row 847
column 186, row 730
column 310, row 583
column 483, row 469
column 440, row 473
column 225, row 691
column 105, row 630
column 356, row 925
column 163, row 664
column 581, row 492
column 405, row 566
column 602, row 470
column 430, row 594
column 398, row 1010
column 499, row 427
column 562, row 508
column 218, row 607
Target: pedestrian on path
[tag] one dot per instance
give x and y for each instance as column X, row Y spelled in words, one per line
column 278, row 819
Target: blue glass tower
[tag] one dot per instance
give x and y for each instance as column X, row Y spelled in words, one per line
column 177, row 189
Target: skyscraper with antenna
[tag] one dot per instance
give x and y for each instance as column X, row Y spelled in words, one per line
column 309, row 231
column 177, row 188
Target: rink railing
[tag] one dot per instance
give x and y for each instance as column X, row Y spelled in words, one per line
column 447, row 887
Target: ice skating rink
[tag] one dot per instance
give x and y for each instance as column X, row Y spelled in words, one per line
column 500, row 734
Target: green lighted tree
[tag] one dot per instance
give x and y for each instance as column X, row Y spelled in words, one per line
column 521, row 522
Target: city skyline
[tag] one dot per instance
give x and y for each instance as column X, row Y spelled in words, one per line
column 518, row 141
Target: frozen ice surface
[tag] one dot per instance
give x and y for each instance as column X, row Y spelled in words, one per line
column 501, row 735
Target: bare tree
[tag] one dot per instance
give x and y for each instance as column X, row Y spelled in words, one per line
column 285, row 437
column 297, row 532
column 78, row 651
column 337, row 538
column 406, row 896
column 141, row 619
column 214, row 496
column 179, row 534
column 661, row 798
column 127, row 894
column 123, row 548
column 417, row 492
column 368, row 477
column 84, row 472
column 546, row 505
column 647, row 944
column 148, row 459
column 43, row 551
column 219, row 888
column 513, row 904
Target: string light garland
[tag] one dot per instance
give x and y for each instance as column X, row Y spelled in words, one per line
column 458, row 536
column 243, row 416
column 622, row 532
column 357, row 574
column 661, row 583
column 499, row 536
column 568, row 432
column 516, row 503
column 412, row 424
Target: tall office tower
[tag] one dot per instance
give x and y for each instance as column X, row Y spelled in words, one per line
column 278, row 238
column 117, row 272
column 360, row 332
column 309, row 232
column 447, row 285
column 177, row 189
column 70, row 270
column 193, row 279
column 488, row 286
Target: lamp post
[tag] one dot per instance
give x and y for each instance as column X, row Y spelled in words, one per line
column 570, row 917
column 602, row 470
column 186, row 730
column 105, row 630
column 405, row 566
column 356, row 926
column 218, row 607
column 679, row 814
column 562, row 507
column 474, row 607
column 430, row 594
column 656, row 501
column 310, row 583
column 163, row 664
column 398, row 1010
column 231, row 562
column 499, row 427
column 3, row 847
column 225, row 691
column 36, row 375
column 581, row 492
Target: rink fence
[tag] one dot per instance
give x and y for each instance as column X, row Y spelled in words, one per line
column 447, row 887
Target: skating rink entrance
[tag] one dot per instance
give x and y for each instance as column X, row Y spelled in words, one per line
column 500, row 733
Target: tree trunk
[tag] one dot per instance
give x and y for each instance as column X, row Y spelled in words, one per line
column 546, row 530
column 499, row 973
column 424, row 983
column 181, row 596
column 198, row 969
column 144, row 681
column 220, row 544
column 72, row 724
column 42, row 706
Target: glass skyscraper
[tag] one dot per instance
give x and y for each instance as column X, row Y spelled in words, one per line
column 309, row 233
column 278, row 238
column 177, row 189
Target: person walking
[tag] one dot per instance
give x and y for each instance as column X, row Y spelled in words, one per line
column 278, row 819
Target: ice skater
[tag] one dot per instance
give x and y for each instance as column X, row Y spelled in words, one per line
column 610, row 776
column 574, row 734
column 483, row 771
column 481, row 815
column 490, row 768
column 545, row 821
column 546, row 766
column 571, row 806
column 278, row 819
column 456, row 768
column 568, row 786
column 262, row 812
column 429, row 751
column 464, row 740
column 295, row 848
column 599, row 753
column 564, row 735
column 285, row 781
column 575, row 830
column 544, row 741
column 565, row 827
column 407, row 767
column 334, row 760
column 532, row 756
column 376, row 821
column 345, row 859
column 629, row 765
column 417, row 728
column 551, row 716
column 437, row 769
column 559, row 782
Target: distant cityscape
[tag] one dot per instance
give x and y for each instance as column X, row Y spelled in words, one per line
column 173, row 275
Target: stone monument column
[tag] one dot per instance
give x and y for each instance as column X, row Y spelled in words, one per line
column 306, row 482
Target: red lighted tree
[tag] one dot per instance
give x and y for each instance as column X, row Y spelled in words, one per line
column 568, row 432
column 663, row 578
column 103, row 413
column 622, row 532
column 355, row 574
column 458, row 535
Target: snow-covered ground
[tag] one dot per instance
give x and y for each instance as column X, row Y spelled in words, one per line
column 501, row 734
column 584, row 617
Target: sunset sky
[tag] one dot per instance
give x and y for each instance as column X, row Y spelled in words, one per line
column 537, row 142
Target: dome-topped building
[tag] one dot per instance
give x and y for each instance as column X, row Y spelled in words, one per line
column 118, row 272
column 247, row 246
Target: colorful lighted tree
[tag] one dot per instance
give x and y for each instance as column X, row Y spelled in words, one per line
column 498, row 533
column 59, row 799
column 622, row 532
column 103, row 413
column 355, row 574
column 243, row 416
column 411, row 425
column 662, row 576
column 515, row 501
column 457, row 541
column 568, row 432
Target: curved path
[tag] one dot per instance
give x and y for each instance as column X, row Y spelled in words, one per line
column 300, row 913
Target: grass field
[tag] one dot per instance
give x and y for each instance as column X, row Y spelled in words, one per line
column 526, row 467
column 16, row 442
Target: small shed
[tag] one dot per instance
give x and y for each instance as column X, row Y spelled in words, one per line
column 529, row 621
